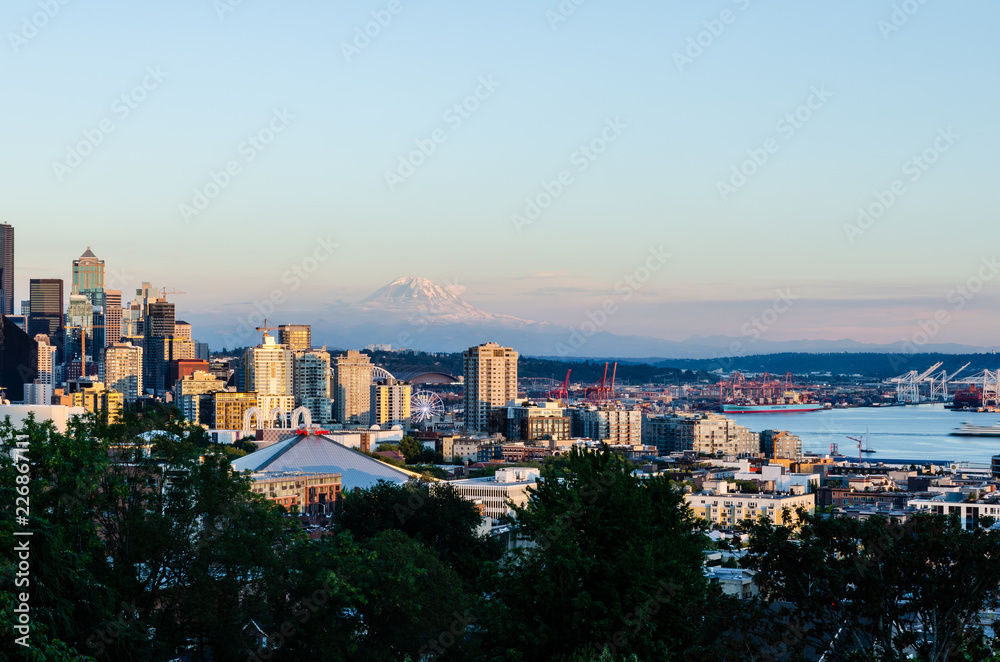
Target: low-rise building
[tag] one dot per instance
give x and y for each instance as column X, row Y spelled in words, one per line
column 499, row 492
column 535, row 421
column 299, row 493
column 726, row 510
column 706, row 434
column 608, row 423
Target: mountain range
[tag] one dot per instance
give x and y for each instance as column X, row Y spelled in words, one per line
column 417, row 313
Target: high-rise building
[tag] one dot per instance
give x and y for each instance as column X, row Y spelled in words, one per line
column 710, row 434
column 230, row 407
column 80, row 328
column 297, row 337
column 182, row 330
column 46, row 360
column 490, row 382
column 610, row 424
column 390, row 402
column 267, row 371
column 26, row 307
column 46, row 304
column 112, row 316
column 188, row 392
column 351, row 388
column 311, row 383
column 123, row 370
column 158, row 326
column 7, row 269
column 88, row 277
column 202, row 352
column 18, row 360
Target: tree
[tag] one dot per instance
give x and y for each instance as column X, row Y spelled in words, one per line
column 411, row 450
column 879, row 589
column 617, row 567
column 134, row 535
column 433, row 514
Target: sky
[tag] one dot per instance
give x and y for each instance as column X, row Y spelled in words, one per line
column 532, row 155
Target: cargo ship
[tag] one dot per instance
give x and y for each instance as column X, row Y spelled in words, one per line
column 766, row 395
column 749, row 408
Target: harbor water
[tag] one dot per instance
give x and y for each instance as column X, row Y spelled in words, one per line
column 917, row 432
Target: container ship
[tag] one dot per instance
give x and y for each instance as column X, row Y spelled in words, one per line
column 753, row 408
column 766, row 395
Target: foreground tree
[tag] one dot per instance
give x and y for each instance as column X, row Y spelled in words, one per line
column 616, row 569
column 876, row 590
column 435, row 515
column 142, row 548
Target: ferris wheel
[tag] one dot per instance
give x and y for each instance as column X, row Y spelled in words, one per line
column 424, row 405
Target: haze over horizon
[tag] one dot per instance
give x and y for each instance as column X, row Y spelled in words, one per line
column 708, row 251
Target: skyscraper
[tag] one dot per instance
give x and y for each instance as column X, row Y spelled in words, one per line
column 46, row 360
column 112, row 316
column 123, row 370
column 46, row 316
column 267, row 371
column 351, row 387
column 297, row 337
column 18, row 360
column 311, row 383
column 490, row 382
column 158, row 326
column 390, row 402
column 88, row 278
column 6, row 269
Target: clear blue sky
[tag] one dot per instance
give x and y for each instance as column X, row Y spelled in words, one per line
column 656, row 185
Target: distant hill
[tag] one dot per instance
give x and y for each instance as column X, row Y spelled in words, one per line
column 842, row 363
column 416, row 313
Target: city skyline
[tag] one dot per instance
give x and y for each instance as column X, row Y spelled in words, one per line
column 821, row 110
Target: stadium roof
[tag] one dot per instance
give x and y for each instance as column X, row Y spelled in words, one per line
column 312, row 453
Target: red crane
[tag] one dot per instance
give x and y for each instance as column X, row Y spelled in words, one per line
column 562, row 393
column 603, row 392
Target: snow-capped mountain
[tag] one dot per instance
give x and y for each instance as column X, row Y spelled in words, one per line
column 411, row 295
column 417, row 313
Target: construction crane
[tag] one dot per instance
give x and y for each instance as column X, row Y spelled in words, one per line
column 164, row 292
column 83, row 343
column 859, row 440
column 264, row 329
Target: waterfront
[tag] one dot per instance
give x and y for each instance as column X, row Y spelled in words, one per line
column 913, row 432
